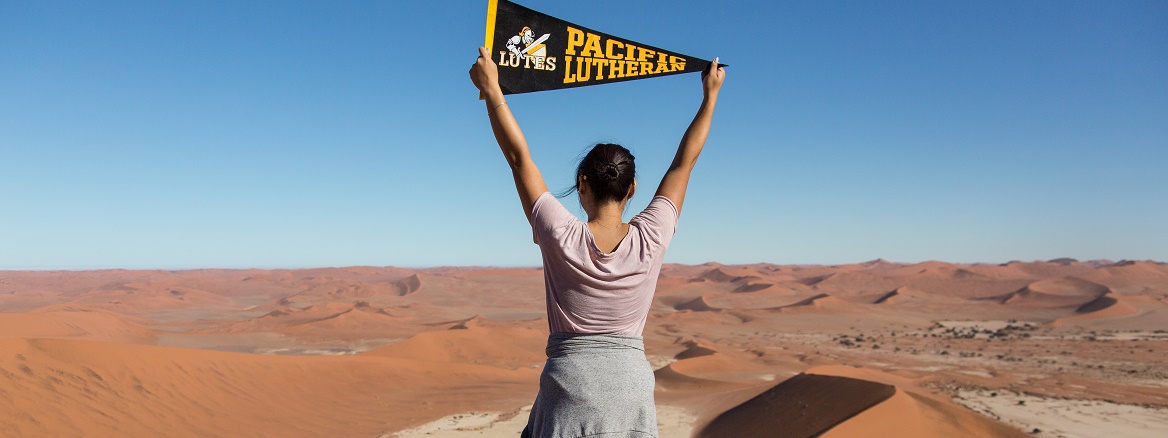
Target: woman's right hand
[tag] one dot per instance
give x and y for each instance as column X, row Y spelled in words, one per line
column 712, row 78
column 485, row 75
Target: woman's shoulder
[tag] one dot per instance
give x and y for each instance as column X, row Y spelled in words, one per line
column 548, row 215
column 657, row 223
column 660, row 209
column 545, row 205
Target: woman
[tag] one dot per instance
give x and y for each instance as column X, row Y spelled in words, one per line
column 600, row 275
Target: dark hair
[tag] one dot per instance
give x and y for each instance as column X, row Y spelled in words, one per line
column 609, row 170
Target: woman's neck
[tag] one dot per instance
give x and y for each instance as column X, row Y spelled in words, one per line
column 608, row 215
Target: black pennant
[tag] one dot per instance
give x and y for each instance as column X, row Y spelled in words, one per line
column 537, row 52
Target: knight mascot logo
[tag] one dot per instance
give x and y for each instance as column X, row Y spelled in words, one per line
column 525, row 50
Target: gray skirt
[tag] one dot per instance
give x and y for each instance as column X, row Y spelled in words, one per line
column 594, row 386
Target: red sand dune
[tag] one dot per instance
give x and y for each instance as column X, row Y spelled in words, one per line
column 1132, row 277
column 1068, row 286
column 1061, row 268
column 361, row 319
column 909, row 298
column 901, row 294
column 695, row 348
column 328, row 314
column 857, row 281
column 1059, row 292
column 803, row 406
column 409, row 285
column 762, row 299
column 51, row 387
column 753, row 287
column 345, row 290
column 669, row 379
column 726, row 274
column 698, row 304
column 1107, row 306
column 510, row 348
column 73, row 323
column 849, row 402
column 77, row 353
column 910, row 412
column 817, row 302
column 911, row 415
column 700, row 366
column 146, row 295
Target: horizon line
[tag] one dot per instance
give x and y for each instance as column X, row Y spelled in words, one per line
column 1101, row 261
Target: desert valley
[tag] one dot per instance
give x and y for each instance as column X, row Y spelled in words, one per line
column 1053, row 348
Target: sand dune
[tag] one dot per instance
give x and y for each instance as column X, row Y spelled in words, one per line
column 729, row 275
column 1060, row 292
column 1132, row 277
column 1107, row 306
column 700, row 366
column 880, row 264
column 345, row 290
column 742, row 350
column 1061, row 268
column 145, row 295
column 710, row 365
column 857, row 282
column 910, row 299
column 698, row 304
column 817, row 302
column 933, row 269
column 906, row 414
column 806, row 405
column 891, row 297
column 73, row 323
column 754, row 287
column 324, row 314
column 51, row 386
column 899, row 295
column 669, row 379
column 908, row 411
column 409, row 285
column 510, row 348
column 694, row 348
column 764, row 299
column 1068, row 286
column 1105, row 301
column 360, row 314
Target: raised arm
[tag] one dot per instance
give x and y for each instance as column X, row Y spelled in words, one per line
column 676, row 179
column 528, row 180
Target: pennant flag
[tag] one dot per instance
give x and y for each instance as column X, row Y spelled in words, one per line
column 537, row 52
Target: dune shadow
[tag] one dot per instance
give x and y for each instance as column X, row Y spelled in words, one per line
column 805, row 405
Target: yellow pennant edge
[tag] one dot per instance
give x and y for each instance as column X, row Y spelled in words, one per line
column 488, row 41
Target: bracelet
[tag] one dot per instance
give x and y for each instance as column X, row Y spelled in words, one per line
column 496, row 107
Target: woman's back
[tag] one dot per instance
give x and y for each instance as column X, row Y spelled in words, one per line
column 589, row 290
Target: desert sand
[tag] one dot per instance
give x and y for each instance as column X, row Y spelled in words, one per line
column 1047, row 348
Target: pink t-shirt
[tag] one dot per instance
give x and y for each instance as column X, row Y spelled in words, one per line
column 589, row 291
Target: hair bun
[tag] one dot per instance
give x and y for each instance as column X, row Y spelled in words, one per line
column 611, row 171
column 608, row 170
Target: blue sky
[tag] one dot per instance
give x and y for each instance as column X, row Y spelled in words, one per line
column 303, row 134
